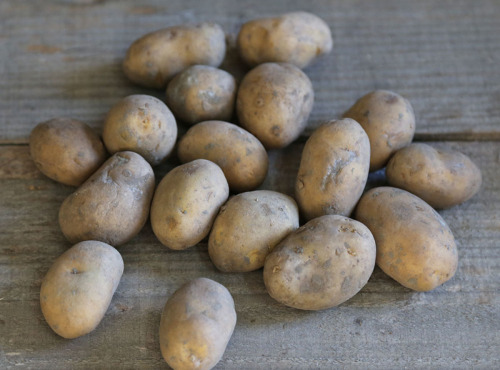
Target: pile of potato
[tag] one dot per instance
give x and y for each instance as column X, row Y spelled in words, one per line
column 316, row 266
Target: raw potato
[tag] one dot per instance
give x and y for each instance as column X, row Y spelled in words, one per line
column 388, row 120
column 274, row 102
column 333, row 169
column 141, row 124
column 66, row 150
column 112, row 206
column 186, row 203
column 248, row 227
column 296, row 38
column 78, row 288
column 414, row 244
column 155, row 58
column 196, row 325
column 240, row 155
column 201, row 93
column 443, row 178
column 322, row 264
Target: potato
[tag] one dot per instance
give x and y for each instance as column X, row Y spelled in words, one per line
column 141, row 124
column 155, row 58
column 248, row 227
column 274, row 102
column 414, row 244
column 442, row 178
column 186, row 203
column 78, row 288
column 201, row 93
column 240, row 155
column 388, row 120
column 196, row 325
column 112, row 206
column 66, row 150
column 296, row 38
column 321, row 264
column 333, row 169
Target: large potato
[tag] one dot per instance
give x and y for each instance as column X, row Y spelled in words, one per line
column 186, row 203
column 414, row 244
column 274, row 102
column 240, row 155
column 155, row 58
column 196, row 325
column 66, row 150
column 78, row 288
column 248, row 227
column 443, row 178
column 333, row 169
column 321, row 264
column 113, row 204
column 296, row 38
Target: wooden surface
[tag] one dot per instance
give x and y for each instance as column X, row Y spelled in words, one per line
column 62, row 58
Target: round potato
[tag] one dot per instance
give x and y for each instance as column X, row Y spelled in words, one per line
column 196, row 325
column 389, row 121
column 155, row 58
column 414, row 244
column 112, row 206
column 201, row 93
column 66, row 150
column 78, row 288
column 141, row 124
column 333, row 169
column 240, row 155
column 248, row 227
column 274, row 102
column 443, row 178
column 296, row 38
column 186, row 203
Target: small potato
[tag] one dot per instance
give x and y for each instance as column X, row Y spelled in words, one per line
column 414, row 244
column 296, row 38
column 186, row 203
column 240, row 155
column 141, row 124
column 274, row 102
column 201, row 93
column 388, row 120
column 333, row 169
column 78, row 288
column 196, row 325
column 248, row 227
column 321, row 264
column 155, row 58
column 443, row 178
column 66, row 150
column 112, row 206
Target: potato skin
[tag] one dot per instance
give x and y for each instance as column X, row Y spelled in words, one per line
column 442, row 178
column 274, row 102
column 296, row 38
column 186, row 203
column 156, row 57
column 389, row 121
column 202, row 93
column 66, row 150
column 141, row 124
column 112, row 206
column 248, row 227
column 196, row 325
column 414, row 244
column 240, row 155
column 321, row 264
column 333, row 169
column 79, row 286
